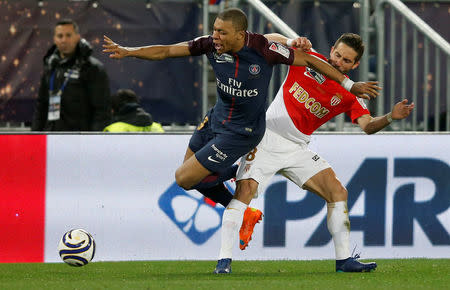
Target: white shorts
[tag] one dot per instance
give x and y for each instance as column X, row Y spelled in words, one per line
column 278, row 154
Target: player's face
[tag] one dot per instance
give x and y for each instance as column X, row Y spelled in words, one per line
column 226, row 38
column 342, row 57
column 66, row 39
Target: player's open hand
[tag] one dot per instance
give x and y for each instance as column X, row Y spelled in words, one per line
column 302, row 43
column 402, row 110
column 116, row 50
column 365, row 90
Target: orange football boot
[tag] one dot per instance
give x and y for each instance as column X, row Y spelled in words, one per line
column 252, row 216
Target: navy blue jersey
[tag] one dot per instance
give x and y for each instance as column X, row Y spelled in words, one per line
column 242, row 82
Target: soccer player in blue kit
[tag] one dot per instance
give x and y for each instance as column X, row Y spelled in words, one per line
column 243, row 64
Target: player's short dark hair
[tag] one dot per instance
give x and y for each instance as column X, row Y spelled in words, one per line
column 122, row 97
column 69, row 21
column 354, row 41
column 236, row 16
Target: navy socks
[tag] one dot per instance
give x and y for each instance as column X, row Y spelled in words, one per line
column 213, row 188
column 218, row 194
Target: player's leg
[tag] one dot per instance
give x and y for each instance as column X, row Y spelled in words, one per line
column 219, row 155
column 214, row 188
column 195, row 174
column 188, row 154
column 311, row 172
column 211, row 186
column 252, row 216
column 231, row 221
column 254, row 171
column 260, row 165
column 190, row 173
column 208, row 148
column 327, row 185
column 219, row 177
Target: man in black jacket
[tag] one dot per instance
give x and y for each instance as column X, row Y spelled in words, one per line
column 74, row 92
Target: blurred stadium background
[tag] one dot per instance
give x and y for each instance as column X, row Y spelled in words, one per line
column 408, row 52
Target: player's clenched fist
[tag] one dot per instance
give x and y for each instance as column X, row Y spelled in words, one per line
column 301, row 43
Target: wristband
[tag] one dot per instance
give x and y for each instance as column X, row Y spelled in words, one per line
column 289, row 42
column 347, row 84
column 389, row 117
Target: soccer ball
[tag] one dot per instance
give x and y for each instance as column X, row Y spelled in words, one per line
column 76, row 247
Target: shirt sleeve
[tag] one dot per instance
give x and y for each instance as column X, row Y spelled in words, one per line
column 201, row 45
column 273, row 52
column 357, row 109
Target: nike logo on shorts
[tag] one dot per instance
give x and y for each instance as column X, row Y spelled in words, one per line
column 212, row 160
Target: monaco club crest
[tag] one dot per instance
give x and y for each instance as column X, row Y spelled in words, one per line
column 336, row 99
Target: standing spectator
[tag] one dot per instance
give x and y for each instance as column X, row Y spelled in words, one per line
column 129, row 116
column 74, row 91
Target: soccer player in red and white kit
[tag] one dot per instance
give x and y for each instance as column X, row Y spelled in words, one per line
column 305, row 101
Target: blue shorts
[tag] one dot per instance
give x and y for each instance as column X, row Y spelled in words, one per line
column 217, row 151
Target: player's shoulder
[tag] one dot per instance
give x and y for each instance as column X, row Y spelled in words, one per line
column 201, row 41
column 203, row 38
column 255, row 40
column 260, row 42
column 272, row 52
column 201, row 44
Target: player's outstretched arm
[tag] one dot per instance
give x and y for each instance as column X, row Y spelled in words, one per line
column 372, row 125
column 152, row 52
column 364, row 90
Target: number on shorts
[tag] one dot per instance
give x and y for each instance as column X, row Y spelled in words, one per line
column 202, row 124
column 251, row 154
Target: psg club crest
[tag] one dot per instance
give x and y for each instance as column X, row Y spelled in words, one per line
column 254, row 69
column 197, row 217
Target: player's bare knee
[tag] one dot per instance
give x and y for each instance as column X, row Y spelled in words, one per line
column 245, row 190
column 340, row 193
column 181, row 180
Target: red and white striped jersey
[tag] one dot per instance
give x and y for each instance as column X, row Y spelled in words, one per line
column 307, row 100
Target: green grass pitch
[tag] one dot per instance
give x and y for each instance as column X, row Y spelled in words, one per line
column 390, row 274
